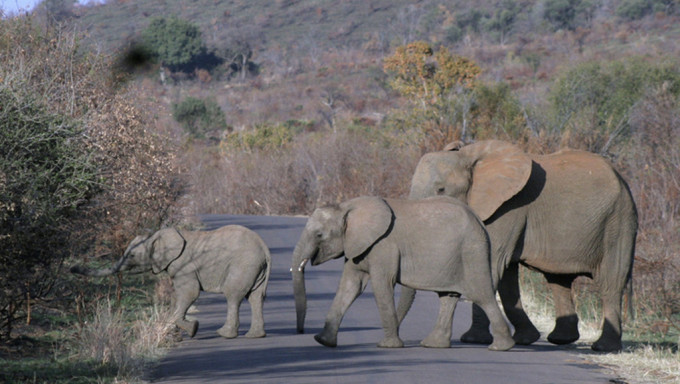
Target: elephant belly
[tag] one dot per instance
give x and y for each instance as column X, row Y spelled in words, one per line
column 438, row 277
column 558, row 252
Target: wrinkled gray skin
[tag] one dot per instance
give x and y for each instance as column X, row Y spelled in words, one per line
column 566, row 214
column 232, row 260
column 435, row 244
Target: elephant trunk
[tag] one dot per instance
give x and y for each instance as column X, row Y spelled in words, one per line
column 301, row 256
column 81, row 270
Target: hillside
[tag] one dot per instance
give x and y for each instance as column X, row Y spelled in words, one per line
column 307, row 50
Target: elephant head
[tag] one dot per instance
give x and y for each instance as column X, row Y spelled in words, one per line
column 153, row 253
column 348, row 229
column 484, row 174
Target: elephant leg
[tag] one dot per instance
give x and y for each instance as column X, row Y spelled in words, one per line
column 186, row 292
column 352, row 283
column 405, row 301
column 508, row 289
column 479, row 329
column 485, row 299
column 256, row 300
column 610, row 339
column 611, row 279
column 383, row 290
column 440, row 337
column 230, row 328
column 566, row 320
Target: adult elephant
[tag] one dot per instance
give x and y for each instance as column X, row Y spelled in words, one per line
column 565, row 214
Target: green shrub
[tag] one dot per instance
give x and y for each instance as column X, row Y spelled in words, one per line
column 198, row 116
column 266, row 136
column 598, row 96
column 497, row 113
column 174, row 42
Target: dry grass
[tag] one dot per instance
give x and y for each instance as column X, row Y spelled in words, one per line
column 127, row 345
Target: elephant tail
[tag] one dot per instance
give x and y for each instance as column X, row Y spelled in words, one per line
column 629, row 298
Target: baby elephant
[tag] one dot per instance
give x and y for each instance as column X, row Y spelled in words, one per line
column 232, row 260
column 435, row 244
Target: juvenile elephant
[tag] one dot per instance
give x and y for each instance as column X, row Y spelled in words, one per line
column 565, row 214
column 232, row 260
column 435, row 244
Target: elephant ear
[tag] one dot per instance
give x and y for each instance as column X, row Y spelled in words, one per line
column 367, row 219
column 167, row 245
column 499, row 172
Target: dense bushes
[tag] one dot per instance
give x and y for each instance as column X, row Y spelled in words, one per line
column 597, row 98
column 46, row 175
column 81, row 171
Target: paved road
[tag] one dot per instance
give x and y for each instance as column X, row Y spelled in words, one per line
column 286, row 357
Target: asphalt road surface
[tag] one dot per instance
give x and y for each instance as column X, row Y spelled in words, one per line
column 287, row 357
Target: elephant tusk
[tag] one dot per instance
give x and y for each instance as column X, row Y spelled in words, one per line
column 301, row 267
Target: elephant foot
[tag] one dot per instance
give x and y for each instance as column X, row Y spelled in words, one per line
column 475, row 336
column 256, row 333
column 436, row 341
column 191, row 327
column 391, row 342
column 502, row 344
column 526, row 336
column 603, row 345
column 565, row 331
column 562, row 338
column 227, row 332
column 326, row 341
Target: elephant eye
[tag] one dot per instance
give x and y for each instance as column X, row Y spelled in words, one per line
column 319, row 235
column 441, row 190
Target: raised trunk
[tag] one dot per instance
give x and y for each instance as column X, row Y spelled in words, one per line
column 301, row 256
column 81, row 270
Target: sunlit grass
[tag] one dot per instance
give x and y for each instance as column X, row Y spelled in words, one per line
column 648, row 357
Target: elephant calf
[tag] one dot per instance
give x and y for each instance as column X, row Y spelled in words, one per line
column 232, row 260
column 435, row 244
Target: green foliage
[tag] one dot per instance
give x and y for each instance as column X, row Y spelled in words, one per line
column 496, row 113
column 265, row 136
column 637, row 9
column 174, row 42
column 500, row 23
column 568, row 14
column 45, row 175
column 198, row 116
column 601, row 94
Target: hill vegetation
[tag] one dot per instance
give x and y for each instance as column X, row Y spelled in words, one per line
column 278, row 106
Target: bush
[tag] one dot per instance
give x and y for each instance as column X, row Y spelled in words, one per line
column 198, row 117
column 46, row 174
column 81, row 169
column 265, row 136
column 174, row 42
column 596, row 98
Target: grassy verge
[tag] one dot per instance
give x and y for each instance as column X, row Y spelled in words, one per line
column 650, row 354
column 113, row 342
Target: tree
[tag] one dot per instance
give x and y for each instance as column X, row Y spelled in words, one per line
column 421, row 74
column 440, row 85
column 174, row 42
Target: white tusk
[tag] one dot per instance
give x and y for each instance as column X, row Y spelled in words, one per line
column 301, row 268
